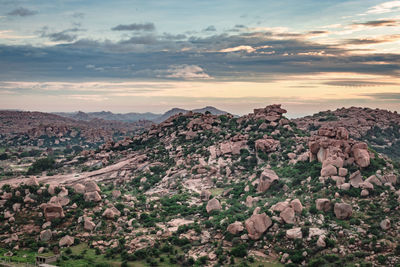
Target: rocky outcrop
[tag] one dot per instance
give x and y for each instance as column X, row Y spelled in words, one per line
column 267, row 145
column 294, row 233
column 111, row 213
column 257, row 224
column 332, row 147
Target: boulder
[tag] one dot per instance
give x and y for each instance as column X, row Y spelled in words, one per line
column 111, row 213
column 32, row 181
column 343, row 172
column 328, row 170
column 385, row 224
column 88, row 225
column 53, row 211
column 205, row 195
column 45, row 235
column 356, row 179
column 294, row 233
column 361, row 155
column 235, row 228
column 343, row 211
column 321, row 241
column 267, row 145
column 267, row 177
column 287, row 215
column 296, row 205
column 213, row 204
column 91, row 186
column 257, row 224
column 374, row 180
column 66, row 241
column 79, row 188
column 92, row 196
column 323, row 204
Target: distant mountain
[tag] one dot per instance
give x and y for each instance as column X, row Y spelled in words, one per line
column 134, row 117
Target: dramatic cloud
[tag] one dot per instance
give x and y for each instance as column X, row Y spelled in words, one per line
column 135, row 27
column 186, row 72
column 386, row 7
column 375, row 40
column 22, row 12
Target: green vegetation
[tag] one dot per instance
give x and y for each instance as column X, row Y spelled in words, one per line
column 41, row 165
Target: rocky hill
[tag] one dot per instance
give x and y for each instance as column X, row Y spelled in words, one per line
column 212, row 190
column 134, row 117
column 19, row 128
column 379, row 128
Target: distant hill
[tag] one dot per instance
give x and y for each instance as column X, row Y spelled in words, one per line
column 134, row 117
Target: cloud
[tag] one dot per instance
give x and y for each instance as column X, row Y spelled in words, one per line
column 142, row 40
column 22, row 12
column 186, row 72
column 385, row 7
column 148, row 27
column 245, row 48
column 378, row 23
column 372, row 40
column 67, row 35
column 383, row 96
column 358, row 83
column 210, row 28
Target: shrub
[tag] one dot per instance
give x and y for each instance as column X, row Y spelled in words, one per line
column 239, row 251
column 40, row 165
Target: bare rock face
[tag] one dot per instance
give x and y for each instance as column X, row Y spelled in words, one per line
column 294, row 233
column 66, row 241
column 329, row 170
column 235, row 228
column 53, row 211
column 356, row 179
column 323, row 204
column 91, row 186
column 321, row 241
column 45, row 235
column 79, row 188
column 92, row 196
column 111, row 213
column 213, row 204
column 343, row 211
column 257, row 224
column 287, row 215
column 267, row 177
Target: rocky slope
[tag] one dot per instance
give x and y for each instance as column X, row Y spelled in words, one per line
column 208, row 190
column 44, row 129
column 379, row 128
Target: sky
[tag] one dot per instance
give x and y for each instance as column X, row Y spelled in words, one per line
column 147, row 55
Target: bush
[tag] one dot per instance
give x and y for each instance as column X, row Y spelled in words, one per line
column 239, row 251
column 42, row 165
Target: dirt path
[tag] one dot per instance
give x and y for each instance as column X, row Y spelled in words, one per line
column 73, row 178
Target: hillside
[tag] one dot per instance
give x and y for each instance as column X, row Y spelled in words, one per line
column 212, row 190
column 379, row 128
